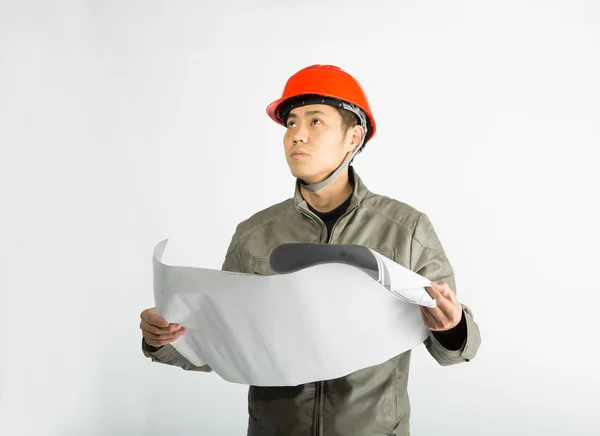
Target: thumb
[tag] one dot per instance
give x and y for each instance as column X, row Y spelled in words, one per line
column 155, row 320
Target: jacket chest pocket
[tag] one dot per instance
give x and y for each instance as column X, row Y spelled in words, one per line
column 260, row 265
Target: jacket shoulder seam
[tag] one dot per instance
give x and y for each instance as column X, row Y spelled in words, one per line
column 415, row 230
column 421, row 214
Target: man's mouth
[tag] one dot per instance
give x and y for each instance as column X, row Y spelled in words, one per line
column 298, row 153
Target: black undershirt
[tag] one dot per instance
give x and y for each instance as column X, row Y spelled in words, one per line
column 452, row 339
column 331, row 217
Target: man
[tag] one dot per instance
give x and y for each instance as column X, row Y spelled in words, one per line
column 328, row 120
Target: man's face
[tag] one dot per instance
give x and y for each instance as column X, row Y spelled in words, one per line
column 315, row 144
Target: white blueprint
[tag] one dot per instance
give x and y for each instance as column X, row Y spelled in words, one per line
column 317, row 323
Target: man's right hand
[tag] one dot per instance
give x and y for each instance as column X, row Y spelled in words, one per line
column 158, row 331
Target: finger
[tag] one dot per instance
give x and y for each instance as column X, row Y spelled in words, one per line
column 447, row 291
column 159, row 330
column 428, row 319
column 445, row 301
column 154, row 339
column 443, row 289
column 454, row 309
column 425, row 318
column 161, row 342
column 433, row 291
column 436, row 314
column 447, row 313
column 445, row 306
column 159, row 337
column 152, row 318
column 451, row 295
column 171, row 328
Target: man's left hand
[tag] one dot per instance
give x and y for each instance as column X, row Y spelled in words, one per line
column 448, row 311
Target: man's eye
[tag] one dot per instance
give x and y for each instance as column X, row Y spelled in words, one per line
column 290, row 124
column 316, row 121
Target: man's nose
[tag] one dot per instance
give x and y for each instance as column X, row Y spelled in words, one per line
column 300, row 135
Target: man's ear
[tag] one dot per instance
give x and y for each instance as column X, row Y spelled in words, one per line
column 357, row 133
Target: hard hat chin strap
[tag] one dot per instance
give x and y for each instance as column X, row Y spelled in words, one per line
column 318, row 186
column 363, row 122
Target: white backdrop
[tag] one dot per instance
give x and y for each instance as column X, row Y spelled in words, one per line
column 124, row 123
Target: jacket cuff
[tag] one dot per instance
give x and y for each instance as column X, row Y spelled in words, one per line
column 160, row 354
column 466, row 353
column 454, row 339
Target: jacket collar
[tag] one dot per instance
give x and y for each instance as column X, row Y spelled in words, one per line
column 359, row 192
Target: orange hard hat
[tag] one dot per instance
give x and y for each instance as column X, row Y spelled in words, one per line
column 327, row 81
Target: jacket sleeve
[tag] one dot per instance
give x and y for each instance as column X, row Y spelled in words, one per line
column 427, row 258
column 167, row 354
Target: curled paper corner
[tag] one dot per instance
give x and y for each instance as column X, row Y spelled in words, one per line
column 430, row 303
column 159, row 249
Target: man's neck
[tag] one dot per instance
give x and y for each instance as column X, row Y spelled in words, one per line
column 331, row 196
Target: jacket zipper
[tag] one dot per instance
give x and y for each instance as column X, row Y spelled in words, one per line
column 336, row 223
column 320, row 385
column 320, row 404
